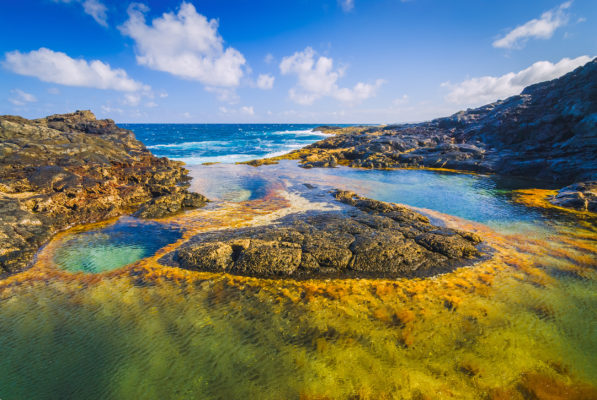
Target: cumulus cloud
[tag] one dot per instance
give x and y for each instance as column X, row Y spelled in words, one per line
column 318, row 78
column 542, row 28
column 185, row 44
column 265, row 81
column 20, row 98
column 486, row 89
column 95, row 8
column 56, row 67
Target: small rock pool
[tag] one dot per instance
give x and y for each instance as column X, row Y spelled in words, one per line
column 121, row 243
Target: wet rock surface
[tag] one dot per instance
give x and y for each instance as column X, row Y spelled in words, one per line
column 71, row 169
column 548, row 132
column 370, row 239
column 581, row 196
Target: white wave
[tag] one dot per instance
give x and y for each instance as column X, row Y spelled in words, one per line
column 301, row 132
column 187, row 145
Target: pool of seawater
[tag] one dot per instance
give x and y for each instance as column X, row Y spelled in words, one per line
column 116, row 245
column 481, row 198
column 522, row 324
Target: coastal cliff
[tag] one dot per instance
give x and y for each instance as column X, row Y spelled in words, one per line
column 548, row 132
column 71, row 169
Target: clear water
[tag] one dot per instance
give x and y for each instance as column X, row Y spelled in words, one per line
column 119, row 244
column 480, row 198
column 523, row 323
column 228, row 143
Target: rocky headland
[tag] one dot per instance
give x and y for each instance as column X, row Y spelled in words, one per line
column 368, row 238
column 548, row 133
column 71, row 169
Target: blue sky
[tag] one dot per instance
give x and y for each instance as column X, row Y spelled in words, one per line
column 328, row 61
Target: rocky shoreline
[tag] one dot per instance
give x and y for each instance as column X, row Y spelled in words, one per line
column 72, row 169
column 369, row 238
column 548, row 133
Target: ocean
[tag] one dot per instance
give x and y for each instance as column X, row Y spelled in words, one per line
column 226, row 143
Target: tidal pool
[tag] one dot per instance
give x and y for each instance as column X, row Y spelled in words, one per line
column 116, row 245
column 522, row 324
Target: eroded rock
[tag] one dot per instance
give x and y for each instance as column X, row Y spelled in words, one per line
column 72, row 169
column 372, row 238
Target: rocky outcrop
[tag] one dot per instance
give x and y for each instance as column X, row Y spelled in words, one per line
column 581, row 196
column 548, row 132
column 71, row 169
column 370, row 238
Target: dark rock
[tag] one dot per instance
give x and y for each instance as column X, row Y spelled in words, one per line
column 580, row 196
column 371, row 238
column 548, row 132
column 71, row 169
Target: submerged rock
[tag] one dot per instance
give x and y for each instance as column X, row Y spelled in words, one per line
column 72, row 169
column 581, row 196
column 370, row 238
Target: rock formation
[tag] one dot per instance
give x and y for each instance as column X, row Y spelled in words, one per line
column 548, row 132
column 71, row 169
column 579, row 196
column 370, row 238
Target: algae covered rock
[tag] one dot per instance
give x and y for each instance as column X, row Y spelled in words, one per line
column 370, row 238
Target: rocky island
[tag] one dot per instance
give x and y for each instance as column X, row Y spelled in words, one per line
column 72, row 169
column 548, row 133
column 369, row 238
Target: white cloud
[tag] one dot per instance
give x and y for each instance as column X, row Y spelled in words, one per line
column 131, row 99
column 269, row 57
column 53, row 90
column 56, row 67
column 265, row 81
column 95, row 8
column 318, row 78
column 346, row 5
column 486, row 89
column 107, row 110
column 185, row 44
column 542, row 28
column 224, row 94
column 248, row 110
column 21, row 98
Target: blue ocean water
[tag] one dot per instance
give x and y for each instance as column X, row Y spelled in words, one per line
column 228, row 143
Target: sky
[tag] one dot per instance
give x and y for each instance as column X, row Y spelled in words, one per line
column 290, row 61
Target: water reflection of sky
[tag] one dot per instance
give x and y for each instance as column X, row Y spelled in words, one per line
column 478, row 198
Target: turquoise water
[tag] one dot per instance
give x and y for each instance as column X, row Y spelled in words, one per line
column 119, row 244
column 479, row 198
column 200, row 143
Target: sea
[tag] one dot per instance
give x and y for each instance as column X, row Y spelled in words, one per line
column 224, row 143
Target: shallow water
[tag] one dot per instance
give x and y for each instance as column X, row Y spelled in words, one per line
column 116, row 245
column 524, row 320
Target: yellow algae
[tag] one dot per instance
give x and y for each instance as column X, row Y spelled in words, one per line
column 540, row 198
